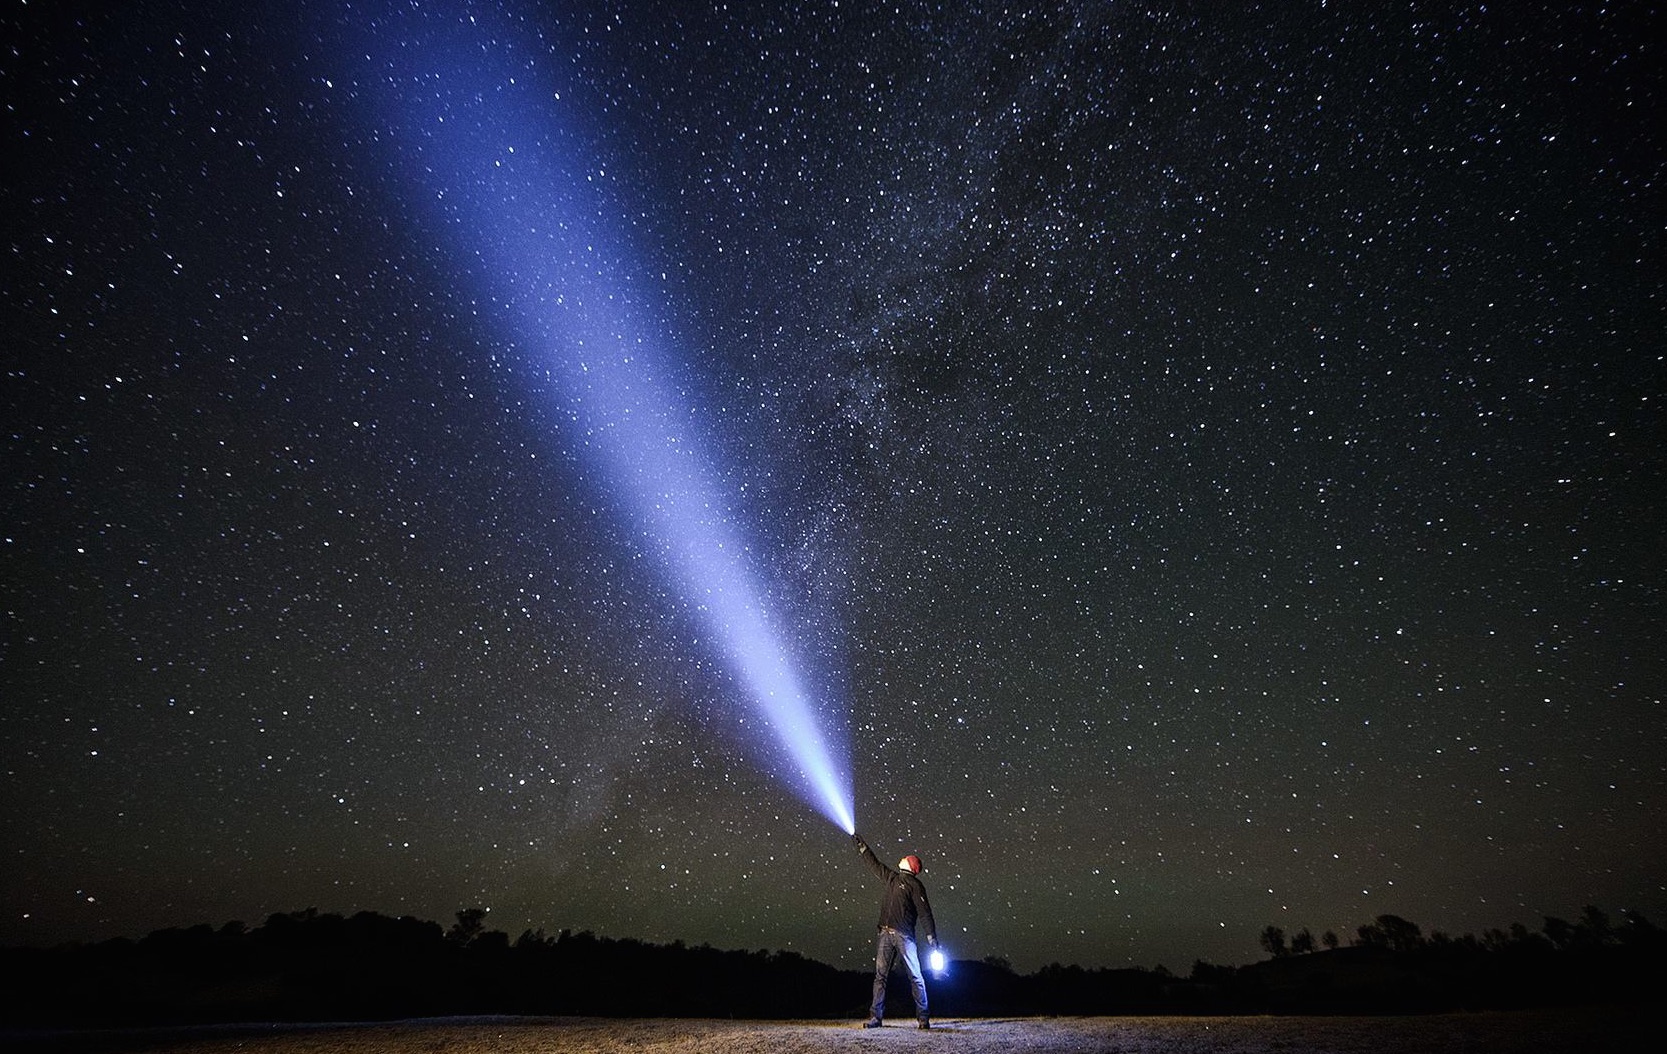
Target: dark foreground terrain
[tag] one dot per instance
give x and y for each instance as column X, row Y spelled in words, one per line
column 1519, row 1032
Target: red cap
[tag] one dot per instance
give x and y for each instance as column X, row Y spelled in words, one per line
column 910, row 863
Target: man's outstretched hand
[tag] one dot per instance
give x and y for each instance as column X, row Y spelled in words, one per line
column 856, row 840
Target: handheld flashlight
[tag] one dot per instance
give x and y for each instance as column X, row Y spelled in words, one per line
column 936, row 960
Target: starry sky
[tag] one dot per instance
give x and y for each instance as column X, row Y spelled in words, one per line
column 1206, row 462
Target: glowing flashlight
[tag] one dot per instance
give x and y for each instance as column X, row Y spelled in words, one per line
column 936, row 960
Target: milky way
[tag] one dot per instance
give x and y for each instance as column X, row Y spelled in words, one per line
column 1214, row 457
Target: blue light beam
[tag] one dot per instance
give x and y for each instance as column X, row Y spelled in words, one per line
column 480, row 137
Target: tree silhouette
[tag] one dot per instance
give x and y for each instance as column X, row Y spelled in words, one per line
column 1399, row 934
column 1560, row 932
column 1594, row 929
column 471, row 922
column 1273, row 942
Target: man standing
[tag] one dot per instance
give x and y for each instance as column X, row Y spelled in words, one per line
column 903, row 902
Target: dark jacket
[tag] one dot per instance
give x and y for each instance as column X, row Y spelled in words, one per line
column 904, row 901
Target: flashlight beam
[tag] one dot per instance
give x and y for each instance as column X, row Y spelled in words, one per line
column 515, row 193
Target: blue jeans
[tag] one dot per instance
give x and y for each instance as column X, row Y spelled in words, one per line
column 890, row 947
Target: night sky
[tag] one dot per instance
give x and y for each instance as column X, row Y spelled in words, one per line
column 1206, row 465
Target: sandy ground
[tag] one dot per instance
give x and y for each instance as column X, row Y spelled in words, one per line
column 1489, row 1033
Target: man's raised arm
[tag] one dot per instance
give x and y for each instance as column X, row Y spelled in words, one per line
column 869, row 858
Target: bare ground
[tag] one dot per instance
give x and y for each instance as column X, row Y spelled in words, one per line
column 1547, row 1032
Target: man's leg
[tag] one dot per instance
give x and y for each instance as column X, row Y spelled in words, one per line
column 885, row 953
column 911, row 959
